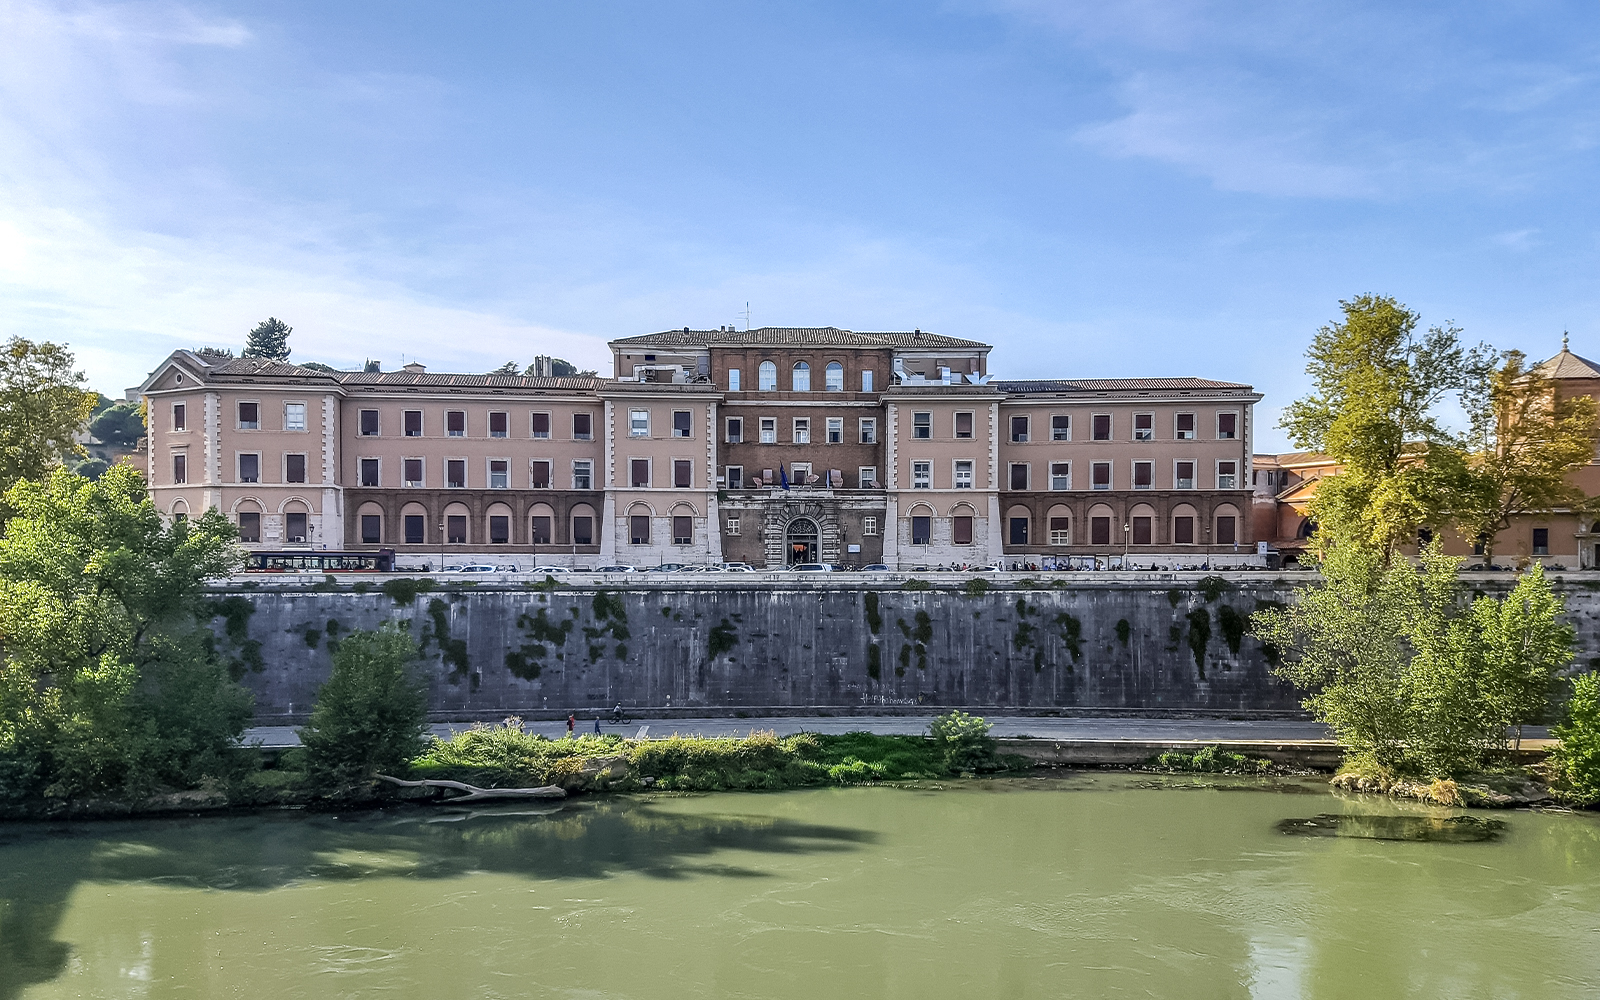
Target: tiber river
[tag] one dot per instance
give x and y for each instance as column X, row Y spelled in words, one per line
column 1100, row 885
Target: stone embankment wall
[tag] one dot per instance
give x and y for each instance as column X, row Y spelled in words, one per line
column 1168, row 643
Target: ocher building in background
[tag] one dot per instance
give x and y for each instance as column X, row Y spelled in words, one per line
column 772, row 446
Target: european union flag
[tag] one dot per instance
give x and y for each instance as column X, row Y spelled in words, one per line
column 783, row 474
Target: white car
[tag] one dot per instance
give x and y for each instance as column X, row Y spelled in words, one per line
column 736, row 567
column 812, row 567
column 474, row 568
column 551, row 569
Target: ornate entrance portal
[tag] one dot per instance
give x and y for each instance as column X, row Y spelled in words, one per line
column 801, row 539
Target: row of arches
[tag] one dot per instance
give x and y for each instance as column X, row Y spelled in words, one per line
column 800, row 376
column 1138, row 524
column 561, row 526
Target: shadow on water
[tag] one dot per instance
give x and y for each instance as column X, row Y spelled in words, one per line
column 41, row 865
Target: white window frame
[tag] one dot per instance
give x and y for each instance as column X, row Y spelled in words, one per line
column 450, row 433
column 1011, row 428
column 866, row 474
column 866, row 380
column 955, row 425
column 1193, row 480
column 422, row 423
column 1110, row 473
column 1058, row 536
column 178, row 408
column 733, row 380
column 921, row 475
column 422, row 467
column 507, row 421
column 1182, row 435
column 1236, row 427
column 377, row 422
column 1133, row 475
column 1144, row 433
column 867, row 430
column 466, row 475
column 285, row 470
column 800, row 376
column 1066, row 431
column 727, row 430
column 584, row 468
column 763, row 370
column 829, row 383
column 800, row 433
column 689, row 431
column 634, row 430
column 304, row 416
column 869, row 526
column 686, row 461
column 238, row 476
column 1027, row 476
column 172, row 469
column 835, row 430
column 582, row 437
column 549, row 422
column 728, row 476
column 733, row 524
column 238, row 421
column 962, row 478
column 550, row 480
column 922, row 425
column 1233, row 477
column 767, row 432
column 1065, row 481
column 488, row 472
column 1111, row 426
column 649, row 472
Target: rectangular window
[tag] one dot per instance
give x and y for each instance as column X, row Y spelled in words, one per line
column 733, row 380
column 249, row 416
column 836, row 430
column 1183, row 530
column 734, row 477
column 1141, row 530
column 1184, row 428
column 583, row 530
column 294, row 527
column 1019, row 475
column 294, row 416
column 638, row 423
column 1227, row 475
column 682, row 470
column 1061, row 475
column 769, row 430
column 867, row 477
column 963, row 470
column 1227, row 426
column 869, row 430
column 735, row 430
column 922, row 475
column 538, row 474
column 733, row 525
column 922, row 426
column 1060, row 531
column 369, row 423
column 539, row 424
column 1100, row 476
column 1143, row 475
column 1183, row 475
column 249, row 468
column 179, row 416
column 455, row 423
column 869, row 526
column 499, row 474
column 799, row 472
column 1060, row 427
column 921, row 530
column 500, row 529
column 682, row 530
column 455, row 474
column 583, row 475
column 1099, row 531
column 1226, row 530
column 583, row 427
column 866, row 381
column 1019, row 430
column 249, row 526
column 413, row 471
column 1100, row 427
column 413, row 423
column 455, row 529
column 1541, row 541
column 639, row 472
column 369, row 472
column 802, row 430
column 294, row 468
column 541, row 529
column 499, row 424
column 682, row 423
column 1017, row 531
column 1144, row 426
column 414, row 526
column 961, row 529
column 639, row 529
column 180, row 468
column 371, row 529
column 963, row 425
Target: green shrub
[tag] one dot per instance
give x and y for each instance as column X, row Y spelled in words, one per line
column 916, row 585
column 404, row 590
column 1210, row 760
column 369, row 715
column 976, row 587
column 1576, row 762
column 963, row 739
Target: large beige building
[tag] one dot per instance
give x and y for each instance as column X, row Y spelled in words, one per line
column 772, row 446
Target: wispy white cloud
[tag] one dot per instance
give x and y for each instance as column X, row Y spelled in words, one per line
column 1519, row 240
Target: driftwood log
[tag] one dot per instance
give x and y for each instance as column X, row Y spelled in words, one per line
column 475, row 794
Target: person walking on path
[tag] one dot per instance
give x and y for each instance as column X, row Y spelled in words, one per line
column 572, row 721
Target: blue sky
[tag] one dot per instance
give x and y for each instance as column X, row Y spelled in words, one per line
column 1099, row 189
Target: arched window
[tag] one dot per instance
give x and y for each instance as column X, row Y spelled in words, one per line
column 835, row 377
column 767, row 376
column 802, row 377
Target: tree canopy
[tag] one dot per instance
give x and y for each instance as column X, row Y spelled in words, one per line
column 43, row 407
column 120, row 425
column 269, row 340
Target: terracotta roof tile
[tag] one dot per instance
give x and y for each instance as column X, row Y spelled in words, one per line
column 794, row 336
column 1021, row 386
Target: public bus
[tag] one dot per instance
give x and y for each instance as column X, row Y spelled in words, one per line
column 306, row 561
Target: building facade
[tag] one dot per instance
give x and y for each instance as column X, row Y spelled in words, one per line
column 773, row 447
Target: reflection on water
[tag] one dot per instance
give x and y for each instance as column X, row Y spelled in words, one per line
column 1082, row 886
column 1428, row 829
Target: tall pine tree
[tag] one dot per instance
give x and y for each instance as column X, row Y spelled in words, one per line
column 269, row 340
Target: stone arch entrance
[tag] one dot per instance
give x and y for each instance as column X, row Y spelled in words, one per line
column 800, row 541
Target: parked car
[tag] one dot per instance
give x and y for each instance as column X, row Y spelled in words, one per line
column 616, row 569
column 551, row 569
column 736, row 567
column 812, row 567
column 875, row 568
column 668, row 568
column 474, row 568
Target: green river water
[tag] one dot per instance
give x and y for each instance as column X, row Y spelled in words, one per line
column 1098, row 885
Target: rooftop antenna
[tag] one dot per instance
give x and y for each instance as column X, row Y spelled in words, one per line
column 747, row 317
column 1563, row 340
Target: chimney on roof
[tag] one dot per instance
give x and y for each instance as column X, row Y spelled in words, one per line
column 415, row 368
column 917, row 333
column 685, row 329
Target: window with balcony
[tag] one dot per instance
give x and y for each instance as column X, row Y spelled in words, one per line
column 455, row 529
column 767, row 376
column 735, row 430
column 415, row 525
column 836, row 430
column 1143, row 475
column 412, row 471
column 769, row 430
column 499, row 474
column 869, row 430
column 500, row 424
column 922, row 475
column 1183, row 475
column 867, row 477
column 1183, row 428
column 249, row 468
column 455, row 474
column 412, row 421
column 455, row 423
column 639, row 423
column 682, row 530
column 1144, row 426
column 921, row 529
column 1227, row 530
column 249, row 526
column 542, row 525
column 733, row 476
column 539, row 425
column 801, row 378
column 682, row 423
column 180, row 468
column 1019, row 475
column 639, row 472
column 922, row 426
column 1227, row 426
column 180, row 416
column 961, row 529
column 294, row 416
column 733, row 380
column 869, row 526
column 371, row 529
column 539, row 474
column 1019, row 430
column 1061, row 475
column 1100, row 475
column 583, row 475
column 294, row 468
column 1060, row 531
column 1017, row 531
column 963, row 474
column 249, row 416
column 963, row 427
column 682, row 470
column 639, row 529
column 834, row 377
column 583, row 427
column 1100, row 427
column 1060, row 427
column 1227, row 475
column 369, row 423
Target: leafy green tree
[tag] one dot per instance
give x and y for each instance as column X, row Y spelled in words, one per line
column 107, row 681
column 318, row 366
column 43, row 406
column 1576, row 760
column 269, row 340
column 120, row 425
column 962, row 739
column 1377, row 383
column 1525, row 439
column 509, row 368
column 1525, row 642
column 369, row 716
